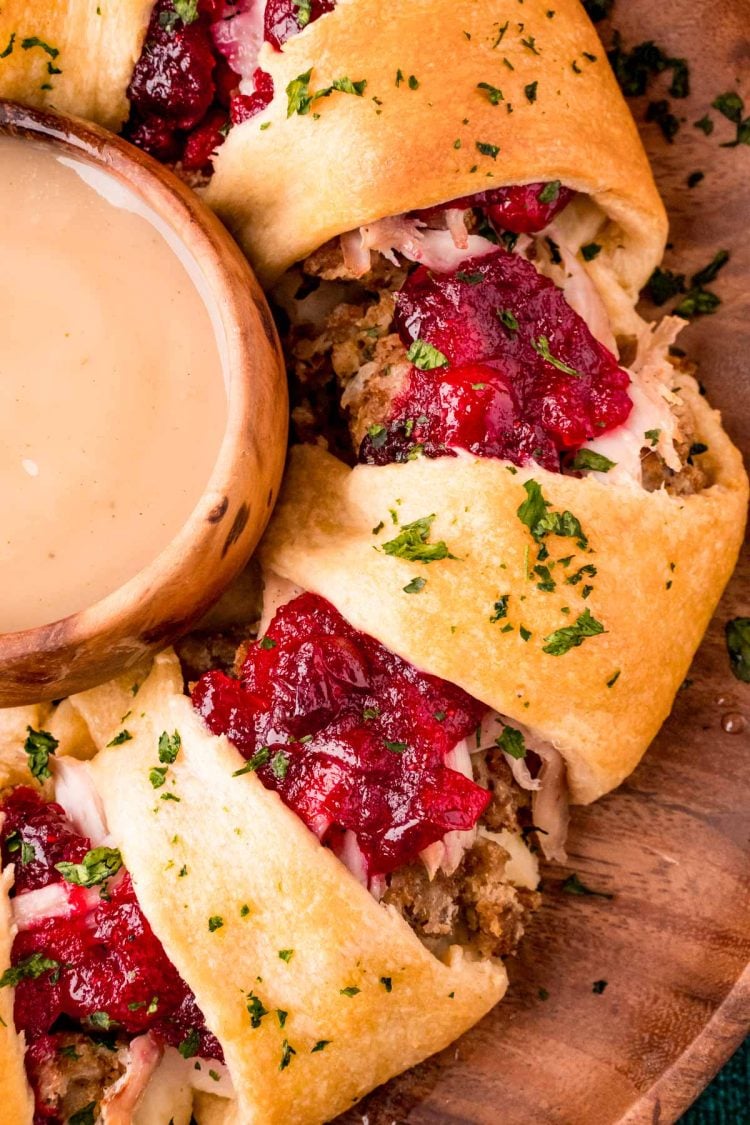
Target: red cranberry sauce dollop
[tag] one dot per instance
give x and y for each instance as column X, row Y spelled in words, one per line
column 109, row 959
column 285, row 18
column 349, row 734
column 520, row 208
column 525, row 378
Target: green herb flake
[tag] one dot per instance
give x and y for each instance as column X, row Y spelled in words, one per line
column 413, row 82
column 598, row 987
column 542, row 348
column 98, row 865
column 549, row 192
column 182, row 872
column 387, row 983
column 705, row 124
column 286, row 955
column 396, row 747
column 500, row 608
column 512, row 742
column 187, row 10
column 695, row 178
column 574, row 886
column 541, row 522
column 259, row 758
column 320, row 1046
column 256, row 1010
column 563, row 640
column 590, row 251
column 530, row 91
column 737, row 636
column 526, row 634
column 304, row 12
column 653, row 437
column 590, row 459
column 9, row 48
column 244, row 910
column 425, row 357
column 494, row 95
column 286, row 1055
column 102, row 1021
column 708, row 274
column 39, row 745
column 350, row 991
column 34, row 41
column 123, row 736
column 530, row 45
column 487, row 149
column 169, row 746
column 411, row 543
column 86, row 1115
column 507, row 319
column 415, row 586
column 215, row 922
column 157, row 776
column 267, row 643
column 280, row 765
column 190, row 1045
column 30, row 968
column 730, row 105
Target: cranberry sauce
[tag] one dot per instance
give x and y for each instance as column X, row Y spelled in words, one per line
column 110, row 971
column 521, row 208
column 285, row 18
column 350, row 735
column 516, row 372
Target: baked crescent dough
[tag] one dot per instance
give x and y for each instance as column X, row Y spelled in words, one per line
column 240, row 846
column 97, row 45
column 661, row 563
column 286, row 189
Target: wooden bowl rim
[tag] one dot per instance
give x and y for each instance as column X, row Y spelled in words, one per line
column 207, row 242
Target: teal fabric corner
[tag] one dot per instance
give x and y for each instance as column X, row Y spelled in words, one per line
column 727, row 1100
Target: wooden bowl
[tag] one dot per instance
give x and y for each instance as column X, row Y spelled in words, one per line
column 170, row 594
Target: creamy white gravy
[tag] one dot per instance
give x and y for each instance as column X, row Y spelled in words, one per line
column 112, row 392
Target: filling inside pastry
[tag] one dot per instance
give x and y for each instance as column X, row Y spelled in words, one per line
column 476, row 327
column 198, row 72
column 101, row 1006
column 405, row 777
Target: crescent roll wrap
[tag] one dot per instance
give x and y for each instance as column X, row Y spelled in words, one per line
column 349, row 995
column 75, row 57
column 288, row 188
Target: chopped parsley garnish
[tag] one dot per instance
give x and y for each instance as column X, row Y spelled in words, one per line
column 304, row 12
column 541, row 347
column 590, row 459
column 494, row 95
column 526, row 634
column 598, row 987
column 86, row 1115
column 256, row 1010
column 635, row 69
column 267, row 643
column 123, row 736
column 547, row 584
column 215, row 922
column 387, row 983
column 487, row 149
column 469, row 278
column 664, row 284
column 34, row 41
column 281, row 1016
column 512, row 742
column 613, row 678
column 399, row 77
column 370, row 713
column 157, row 776
column 413, row 82
column 98, row 865
column 590, row 251
column 737, row 634
column 530, row 91
column 102, row 1021
column 244, row 910
column 259, row 758
column 540, row 522
column 543, row 994
column 571, row 636
column 300, row 100
column 586, row 571
column 286, row 1055
column 320, row 1046
column 507, row 319
column 377, row 433
column 396, row 747
column 659, row 112
column 653, row 437
column 350, row 991
column 530, row 45
column 28, row 969
column 574, row 886
column 705, row 124
column 415, row 586
column 169, row 746
column 190, row 1045
column 697, row 302
column 501, row 33
column 425, row 357
column 182, row 872
column 500, row 608
column 411, row 543
column 187, row 10
column 549, row 192
column 732, row 107
column 286, row 955
column 280, row 765
column 695, row 178
column 709, row 272
column 39, row 745
column 9, row 49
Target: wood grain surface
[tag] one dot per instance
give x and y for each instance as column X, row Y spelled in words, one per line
column 671, row 845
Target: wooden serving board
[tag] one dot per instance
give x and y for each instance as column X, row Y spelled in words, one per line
column 671, row 845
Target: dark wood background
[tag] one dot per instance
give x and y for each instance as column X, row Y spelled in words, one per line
column 671, row 845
